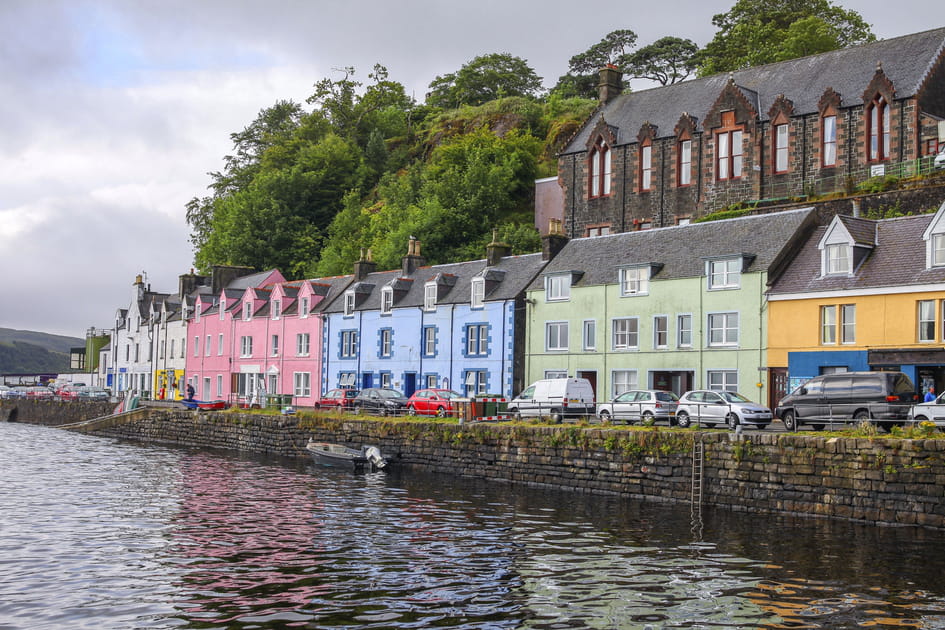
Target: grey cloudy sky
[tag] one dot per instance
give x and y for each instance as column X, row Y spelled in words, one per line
column 114, row 111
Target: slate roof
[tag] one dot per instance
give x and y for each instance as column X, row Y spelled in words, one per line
column 682, row 249
column 906, row 61
column 897, row 260
column 250, row 281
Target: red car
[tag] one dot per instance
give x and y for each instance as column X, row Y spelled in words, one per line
column 337, row 399
column 39, row 392
column 69, row 392
column 433, row 402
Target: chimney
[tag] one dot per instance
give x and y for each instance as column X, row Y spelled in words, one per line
column 413, row 259
column 222, row 275
column 364, row 265
column 554, row 241
column 188, row 283
column 611, row 83
column 496, row 251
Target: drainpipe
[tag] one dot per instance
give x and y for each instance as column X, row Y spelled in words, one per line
column 662, row 182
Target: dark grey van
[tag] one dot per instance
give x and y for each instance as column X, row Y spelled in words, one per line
column 849, row 396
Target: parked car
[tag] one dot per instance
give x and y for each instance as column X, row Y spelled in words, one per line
column 92, row 393
column 939, row 161
column 39, row 392
column 710, row 407
column 68, row 392
column 849, row 397
column 555, row 397
column 640, row 405
column 379, row 400
column 433, row 402
column 15, row 393
column 933, row 411
column 340, row 398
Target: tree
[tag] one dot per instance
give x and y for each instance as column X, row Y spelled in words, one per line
column 582, row 77
column 485, row 78
column 667, row 60
column 756, row 32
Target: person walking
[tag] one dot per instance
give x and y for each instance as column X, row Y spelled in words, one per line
column 930, row 395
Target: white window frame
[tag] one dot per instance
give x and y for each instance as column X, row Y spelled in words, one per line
column 349, row 303
column 556, row 336
column 828, row 324
column 684, row 330
column 274, row 345
column 626, row 333
column 349, row 343
column 558, row 287
column 208, row 346
column 838, row 259
column 829, row 141
column 387, row 300
column 660, row 332
column 386, row 342
column 724, row 274
column 937, row 250
column 634, row 281
column 685, row 163
column 429, row 296
column 477, row 292
column 246, row 346
column 219, row 386
column 782, row 134
column 302, row 384
column 722, row 380
column 646, row 167
column 247, row 311
column 429, row 341
column 590, row 335
column 303, row 307
column 276, row 309
column 474, row 382
column 623, row 381
column 925, row 316
column 477, row 340
column 302, row 341
column 848, row 323
column 725, row 325
column 219, row 345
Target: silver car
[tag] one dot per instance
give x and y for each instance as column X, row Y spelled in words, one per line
column 929, row 411
column 710, row 407
column 641, row 405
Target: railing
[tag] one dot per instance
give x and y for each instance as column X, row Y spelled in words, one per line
column 839, row 416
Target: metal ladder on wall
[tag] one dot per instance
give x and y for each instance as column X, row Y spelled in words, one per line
column 695, row 497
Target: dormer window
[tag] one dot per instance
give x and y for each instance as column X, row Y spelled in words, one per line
column 276, row 309
column 247, row 311
column 599, row 163
column 558, row 287
column 222, row 309
column 634, row 281
column 197, row 314
column 303, row 307
column 877, row 125
column 837, row 259
column 829, row 140
column 477, row 292
column 349, row 303
column 429, row 296
column 387, row 300
column 728, row 149
column 724, row 273
column 684, row 159
column 646, row 166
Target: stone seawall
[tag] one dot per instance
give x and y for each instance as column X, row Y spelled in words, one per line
column 882, row 480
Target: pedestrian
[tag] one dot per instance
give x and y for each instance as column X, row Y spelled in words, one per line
column 190, row 391
column 930, row 395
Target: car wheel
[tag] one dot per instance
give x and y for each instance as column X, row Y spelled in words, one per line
column 556, row 415
column 817, row 427
column 682, row 419
column 921, row 419
column 648, row 418
column 789, row 420
column 411, row 410
column 441, row 412
column 862, row 416
column 732, row 420
column 604, row 415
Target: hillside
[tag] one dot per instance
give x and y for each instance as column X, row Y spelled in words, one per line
column 27, row 351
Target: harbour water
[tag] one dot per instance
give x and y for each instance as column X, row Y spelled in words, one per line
column 96, row 533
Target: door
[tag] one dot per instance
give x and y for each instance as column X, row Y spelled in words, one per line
column 367, row 380
column 591, row 376
column 410, row 384
column 777, row 386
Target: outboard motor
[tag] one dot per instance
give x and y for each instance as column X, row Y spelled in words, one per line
column 374, row 456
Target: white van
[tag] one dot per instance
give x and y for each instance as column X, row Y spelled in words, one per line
column 555, row 397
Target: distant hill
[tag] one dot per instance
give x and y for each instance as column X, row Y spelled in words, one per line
column 27, row 351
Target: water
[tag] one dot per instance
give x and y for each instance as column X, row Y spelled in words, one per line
column 96, row 533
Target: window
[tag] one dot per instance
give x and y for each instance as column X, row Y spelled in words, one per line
column 346, row 379
column 206, row 387
column 938, row 250
column 477, row 340
column 276, row 309
column 626, row 333
column 877, row 124
column 429, row 296
column 246, row 346
column 387, row 300
column 848, row 323
column 163, row 348
column 430, row 380
column 208, row 345
column 646, row 167
column 828, row 325
column 171, row 355
column 385, row 380
column 556, row 374
column 196, row 348
column 349, row 303
column 660, row 331
column 634, row 281
column 247, row 311
column 474, row 382
column 183, row 347
column 349, row 343
column 597, row 230
column 275, row 345
column 723, row 380
column 684, row 171
column 724, row 274
column 780, row 148
column 556, row 336
column 623, row 381
column 477, row 292
column 728, row 149
column 219, row 386
column 723, row 329
column 301, row 344
column 303, row 307
column 590, row 334
column 926, row 320
column 684, row 331
column 599, row 167
column 558, row 287
column 385, row 341
column 838, row 258
column 302, row 384
column 221, row 306
column 219, row 345
column 829, row 140
column 429, row 341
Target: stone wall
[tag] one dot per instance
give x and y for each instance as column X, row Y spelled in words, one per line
column 52, row 412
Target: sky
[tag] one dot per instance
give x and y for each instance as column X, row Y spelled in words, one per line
column 113, row 112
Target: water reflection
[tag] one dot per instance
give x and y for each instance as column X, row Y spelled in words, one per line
column 127, row 536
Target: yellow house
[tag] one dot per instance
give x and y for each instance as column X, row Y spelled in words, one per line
column 862, row 294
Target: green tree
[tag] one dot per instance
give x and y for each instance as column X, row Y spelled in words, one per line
column 485, row 78
column 667, row 60
column 756, row 32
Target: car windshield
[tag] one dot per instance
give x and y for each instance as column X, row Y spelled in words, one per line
column 734, row 397
column 388, row 393
column 667, row 396
column 449, row 394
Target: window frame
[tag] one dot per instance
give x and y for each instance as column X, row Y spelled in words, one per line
column 726, row 329
column 828, row 141
column 246, row 346
column 589, row 335
column 617, row 384
column 302, row 384
column 561, row 335
column 724, row 274
column 781, row 137
column 684, row 329
column 729, row 149
column 558, row 287
column 349, row 303
column 477, row 293
column 828, row 325
column 847, row 324
column 429, row 341
column 634, row 281
column 878, row 123
column 832, row 262
column 724, row 381
column 625, row 339
column 429, row 296
column 646, row 166
column 302, row 344
column 660, row 330
column 274, row 345
column 599, row 171
column 684, row 163
column 387, row 300
column 923, row 322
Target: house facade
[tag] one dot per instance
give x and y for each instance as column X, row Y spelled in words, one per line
column 676, row 308
column 864, row 295
column 662, row 156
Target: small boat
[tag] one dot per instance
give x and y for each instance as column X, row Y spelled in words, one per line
column 211, row 404
column 328, row 454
